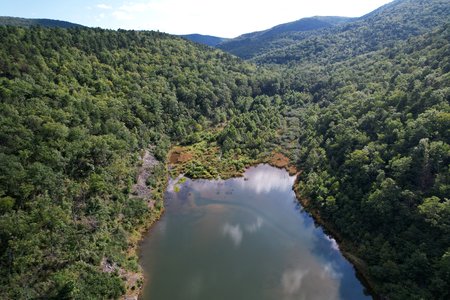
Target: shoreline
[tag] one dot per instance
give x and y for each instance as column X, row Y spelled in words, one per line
column 152, row 197
column 356, row 262
column 280, row 163
column 143, row 230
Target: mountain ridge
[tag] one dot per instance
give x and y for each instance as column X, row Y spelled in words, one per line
column 395, row 21
column 28, row 22
column 208, row 40
column 250, row 44
column 361, row 108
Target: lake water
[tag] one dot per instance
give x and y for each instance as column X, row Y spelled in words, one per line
column 242, row 238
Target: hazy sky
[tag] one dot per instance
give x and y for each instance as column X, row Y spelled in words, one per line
column 221, row 18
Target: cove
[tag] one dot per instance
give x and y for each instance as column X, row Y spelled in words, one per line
column 242, row 238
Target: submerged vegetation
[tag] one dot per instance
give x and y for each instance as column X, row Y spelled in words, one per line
column 368, row 131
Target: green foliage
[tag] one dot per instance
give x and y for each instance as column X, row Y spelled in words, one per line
column 11, row 21
column 396, row 21
column 253, row 44
column 436, row 212
column 363, row 108
column 76, row 107
column 206, row 160
column 252, row 131
column 374, row 148
column 204, row 39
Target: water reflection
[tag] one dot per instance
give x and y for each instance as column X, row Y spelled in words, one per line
column 334, row 244
column 194, row 286
column 243, row 238
column 261, row 179
column 234, row 232
column 265, row 179
column 292, row 281
column 255, row 226
column 306, row 284
column 329, row 270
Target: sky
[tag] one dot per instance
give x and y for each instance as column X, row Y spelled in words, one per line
column 228, row 18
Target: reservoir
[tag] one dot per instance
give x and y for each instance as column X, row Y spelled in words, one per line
column 242, row 238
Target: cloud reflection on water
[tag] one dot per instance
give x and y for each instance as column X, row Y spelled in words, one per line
column 291, row 281
column 305, row 282
column 334, row 244
column 329, row 270
column 264, row 179
column 255, row 226
column 284, row 257
column 260, row 179
column 234, row 232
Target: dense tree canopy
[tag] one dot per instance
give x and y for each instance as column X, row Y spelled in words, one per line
column 361, row 108
column 257, row 43
column 76, row 107
column 396, row 21
column 374, row 146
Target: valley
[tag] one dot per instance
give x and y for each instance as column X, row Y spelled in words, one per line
column 95, row 123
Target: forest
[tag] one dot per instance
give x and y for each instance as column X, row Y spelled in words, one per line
column 365, row 118
column 77, row 106
column 374, row 148
column 394, row 22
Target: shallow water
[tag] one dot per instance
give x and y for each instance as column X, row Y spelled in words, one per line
column 242, row 238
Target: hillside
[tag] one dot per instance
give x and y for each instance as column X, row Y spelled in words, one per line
column 360, row 106
column 373, row 144
column 208, row 40
column 12, row 21
column 252, row 44
column 78, row 107
column 381, row 28
column 368, row 126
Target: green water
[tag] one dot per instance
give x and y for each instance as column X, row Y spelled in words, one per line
column 243, row 238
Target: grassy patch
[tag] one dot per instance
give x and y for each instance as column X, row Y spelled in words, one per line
column 205, row 160
column 280, row 160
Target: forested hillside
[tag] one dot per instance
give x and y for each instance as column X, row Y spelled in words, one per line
column 384, row 27
column 77, row 106
column 374, row 149
column 370, row 117
column 12, row 21
column 362, row 108
column 204, row 39
column 256, row 43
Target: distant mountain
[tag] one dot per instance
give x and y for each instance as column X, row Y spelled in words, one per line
column 252, row 44
column 13, row 21
column 208, row 40
column 393, row 22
